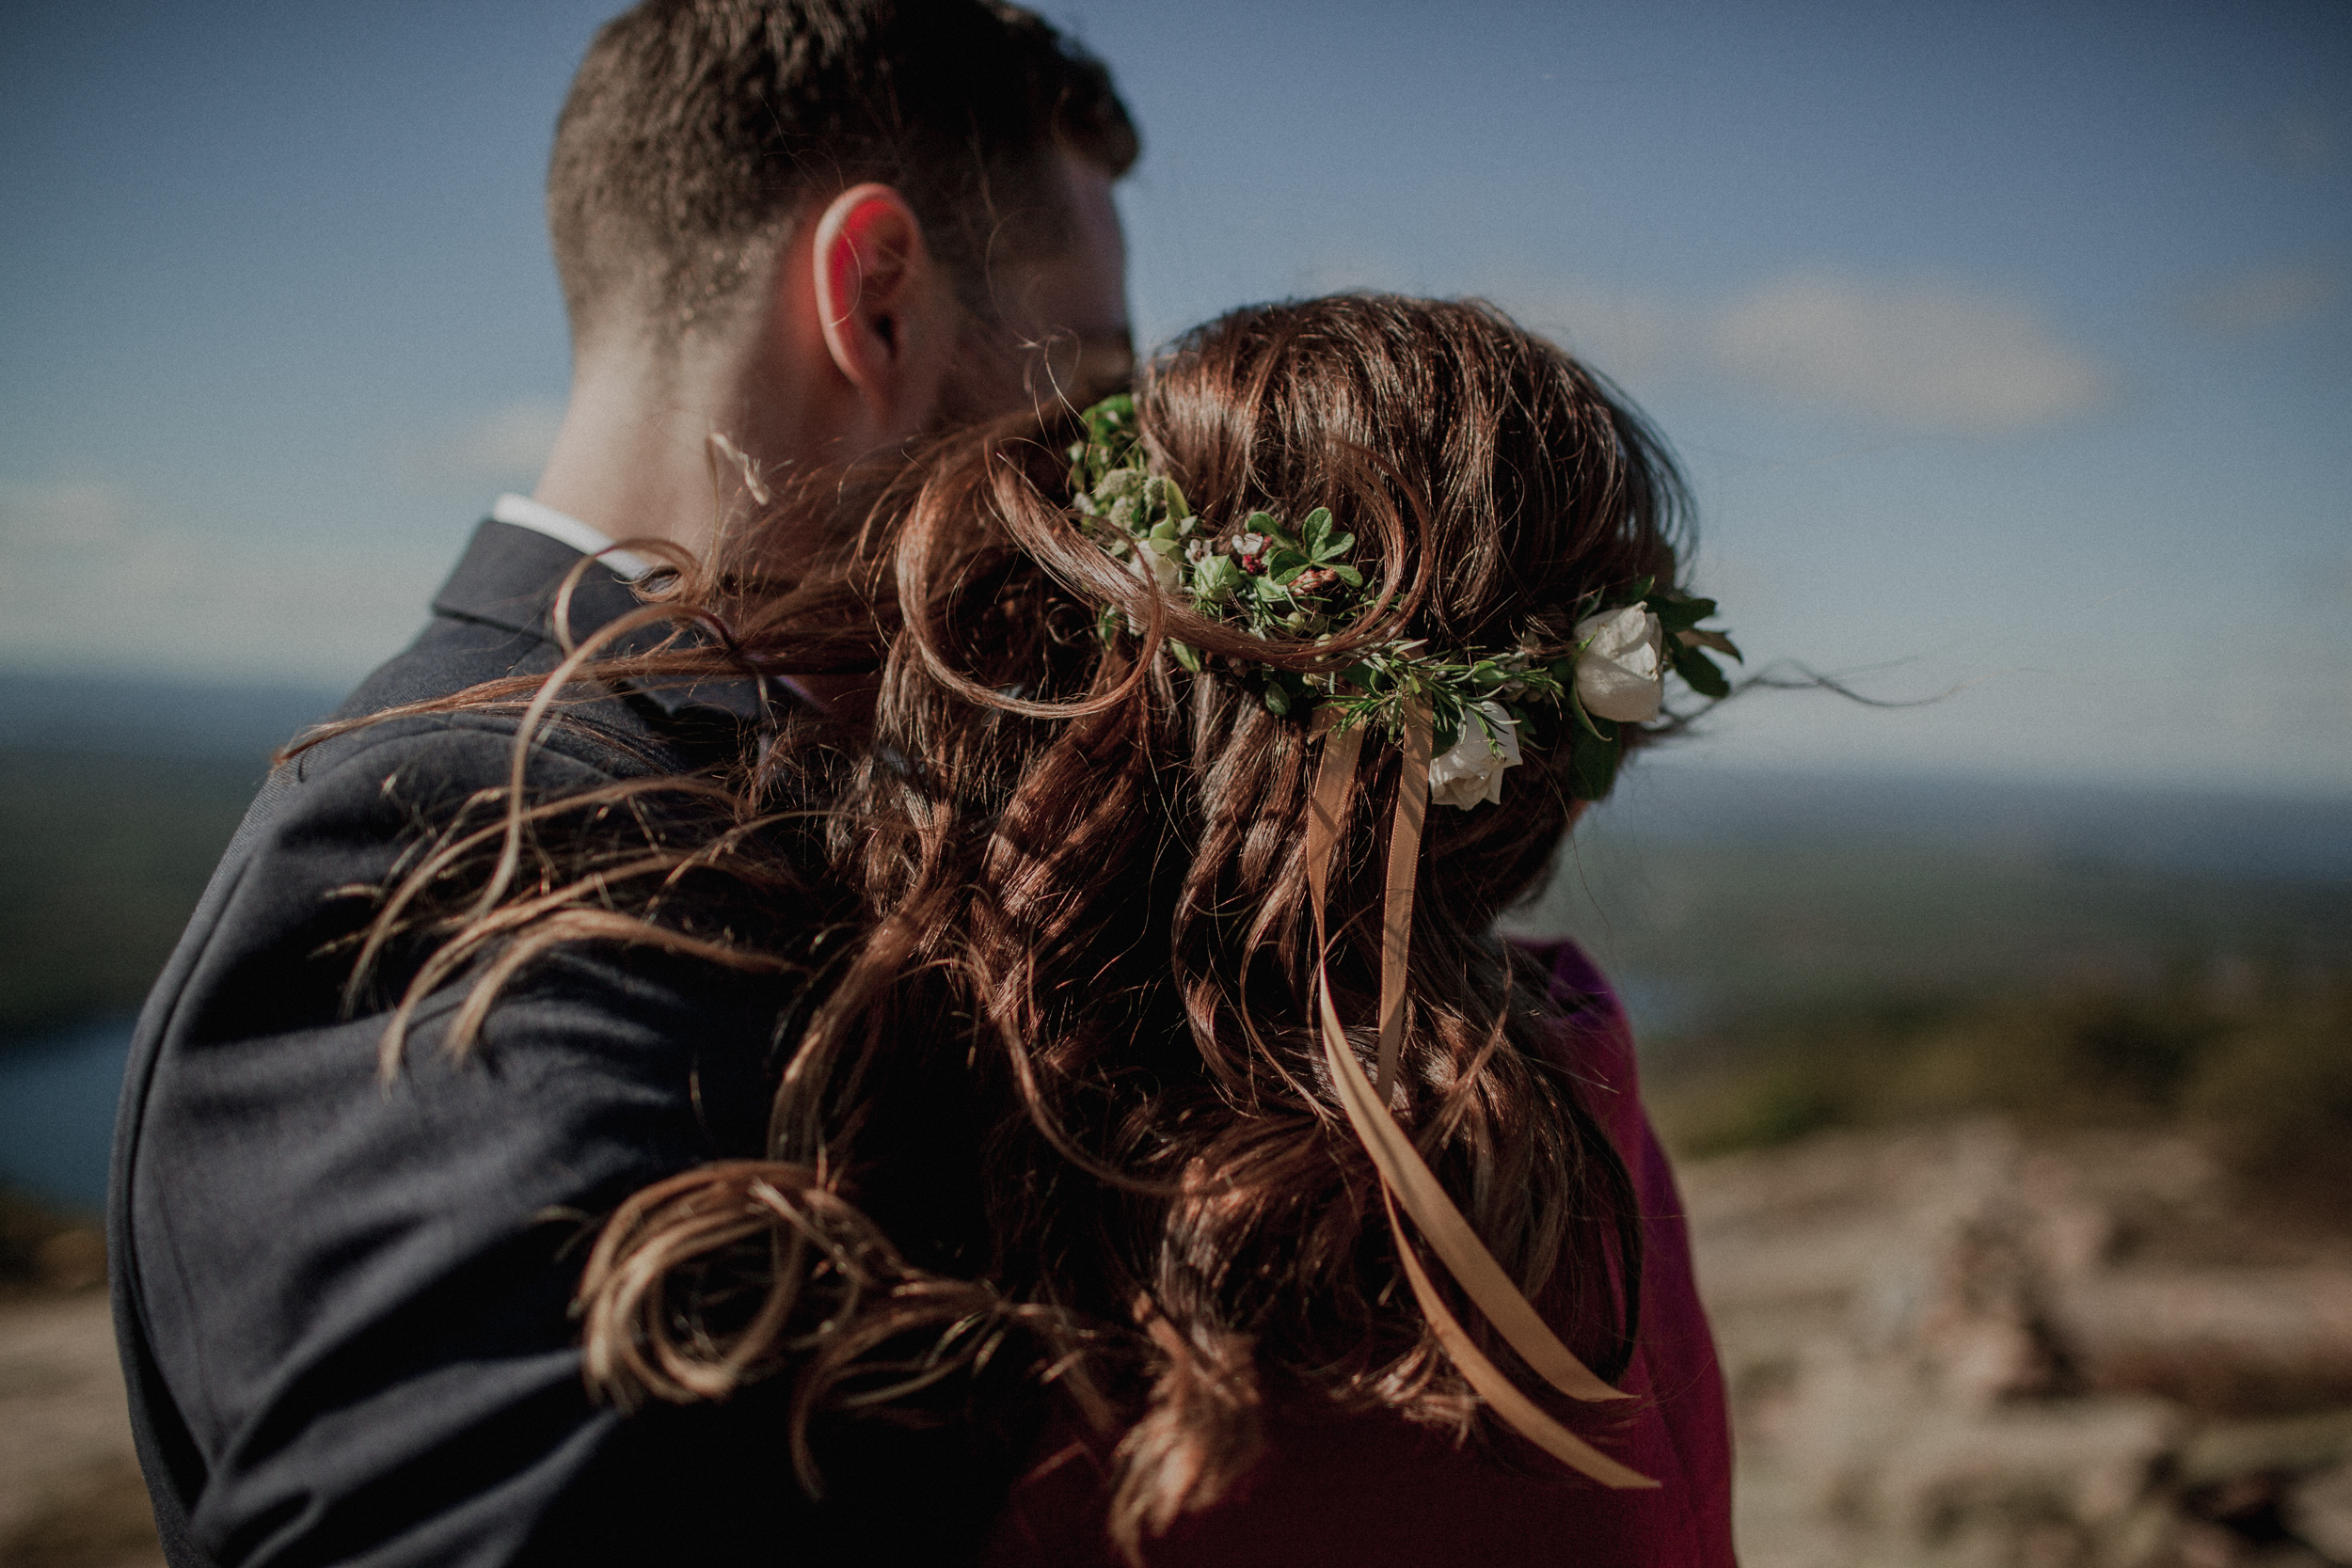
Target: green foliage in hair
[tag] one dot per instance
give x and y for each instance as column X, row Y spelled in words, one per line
column 1276, row 580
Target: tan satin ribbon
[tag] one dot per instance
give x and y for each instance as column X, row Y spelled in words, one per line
column 1396, row 920
column 1405, row 1178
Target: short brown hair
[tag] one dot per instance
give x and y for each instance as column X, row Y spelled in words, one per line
column 695, row 128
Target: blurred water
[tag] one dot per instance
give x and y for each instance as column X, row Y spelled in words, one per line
column 155, row 717
column 2076, row 824
column 57, row 1112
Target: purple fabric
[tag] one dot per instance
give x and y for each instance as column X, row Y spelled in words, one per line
column 1374, row 1491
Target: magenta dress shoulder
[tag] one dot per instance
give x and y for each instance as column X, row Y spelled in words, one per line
column 1368, row 1492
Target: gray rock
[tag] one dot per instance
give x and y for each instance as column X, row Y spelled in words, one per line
column 1949, row 1349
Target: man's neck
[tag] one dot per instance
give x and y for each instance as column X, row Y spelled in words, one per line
column 635, row 458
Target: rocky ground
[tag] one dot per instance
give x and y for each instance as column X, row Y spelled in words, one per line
column 1946, row 1349
column 1952, row 1349
column 70, row 1490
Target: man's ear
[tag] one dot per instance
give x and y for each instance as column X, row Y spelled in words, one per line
column 886, row 319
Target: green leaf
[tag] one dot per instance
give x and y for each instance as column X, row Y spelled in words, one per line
column 1278, row 701
column 1640, row 589
column 1714, row 639
column 1111, row 418
column 1698, row 672
column 1592, row 765
column 1186, row 654
column 1347, row 574
column 1599, row 729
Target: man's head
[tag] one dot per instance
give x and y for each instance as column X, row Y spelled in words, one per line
column 950, row 158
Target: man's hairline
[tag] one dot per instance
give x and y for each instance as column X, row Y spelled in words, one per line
column 761, row 247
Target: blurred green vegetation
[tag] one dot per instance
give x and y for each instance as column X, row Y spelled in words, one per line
column 1789, row 986
column 1784, row 982
column 2265, row 1069
column 1722, row 943
column 105, row 858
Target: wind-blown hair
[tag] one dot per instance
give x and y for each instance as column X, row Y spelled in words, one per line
column 1058, row 1101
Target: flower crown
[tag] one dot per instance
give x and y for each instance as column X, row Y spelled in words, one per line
column 1275, row 580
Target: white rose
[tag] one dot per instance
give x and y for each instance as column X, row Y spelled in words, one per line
column 1472, row 770
column 1621, row 672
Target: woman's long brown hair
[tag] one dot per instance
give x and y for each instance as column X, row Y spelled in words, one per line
column 1057, row 1101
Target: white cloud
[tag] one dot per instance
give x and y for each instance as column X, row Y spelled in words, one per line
column 91, row 576
column 69, row 514
column 2301, row 139
column 511, row 440
column 2322, row 581
column 1919, row 354
column 2264, row 297
column 501, row 447
column 1924, row 356
column 1629, row 335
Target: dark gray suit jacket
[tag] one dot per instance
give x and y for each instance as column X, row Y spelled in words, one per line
column 344, row 1305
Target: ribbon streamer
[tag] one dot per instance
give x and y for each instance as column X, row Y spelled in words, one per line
column 1405, row 1178
column 1396, row 920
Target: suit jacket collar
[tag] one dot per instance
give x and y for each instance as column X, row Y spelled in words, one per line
column 509, row 577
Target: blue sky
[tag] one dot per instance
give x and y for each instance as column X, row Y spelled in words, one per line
column 2009, row 346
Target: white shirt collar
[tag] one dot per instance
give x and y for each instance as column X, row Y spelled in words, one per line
column 564, row 529
column 628, row 565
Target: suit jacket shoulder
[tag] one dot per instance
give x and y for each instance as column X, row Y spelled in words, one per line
column 343, row 1300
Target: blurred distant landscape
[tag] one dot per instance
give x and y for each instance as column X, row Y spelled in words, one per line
column 2012, row 1120
column 1776, row 934
column 1804, row 953
column 123, row 794
column 2015, row 1128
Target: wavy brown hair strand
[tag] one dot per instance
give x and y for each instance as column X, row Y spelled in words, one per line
column 1079, row 957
